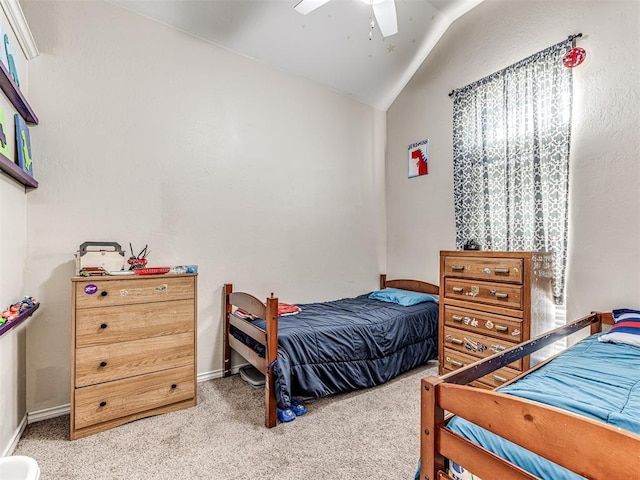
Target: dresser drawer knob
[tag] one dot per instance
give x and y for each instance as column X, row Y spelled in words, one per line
column 502, row 328
column 174, row 386
column 456, row 318
column 500, row 379
column 103, row 326
column 457, row 289
column 103, row 364
column 103, row 404
column 457, row 341
column 501, row 270
column 457, row 268
column 104, row 293
column 498, row 294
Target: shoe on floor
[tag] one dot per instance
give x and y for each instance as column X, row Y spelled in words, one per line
column 285, row 414
column 297, row 407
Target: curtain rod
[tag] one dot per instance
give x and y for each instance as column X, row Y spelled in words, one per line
column 569, row 38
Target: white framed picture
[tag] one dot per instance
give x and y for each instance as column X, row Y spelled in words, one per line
column 418, row 158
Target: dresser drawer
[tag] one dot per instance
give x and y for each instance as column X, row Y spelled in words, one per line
column 104, row 325
column 454, row 360
column 99, row 292
column 108, row 401
column 491, row 269
column 103, row 363
column 500, row 294
column 476, row 345
column 498, row 326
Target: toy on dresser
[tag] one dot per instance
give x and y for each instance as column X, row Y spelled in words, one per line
column 140, row 260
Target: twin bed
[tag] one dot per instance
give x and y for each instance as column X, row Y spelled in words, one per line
column 574, row 416
column 330, row 347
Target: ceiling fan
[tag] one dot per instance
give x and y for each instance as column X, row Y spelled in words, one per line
column 383, row 10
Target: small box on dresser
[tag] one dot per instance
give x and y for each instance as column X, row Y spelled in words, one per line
column 491, row 301
column 133, row 349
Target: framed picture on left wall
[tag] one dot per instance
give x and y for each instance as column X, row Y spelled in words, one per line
column 23, row 145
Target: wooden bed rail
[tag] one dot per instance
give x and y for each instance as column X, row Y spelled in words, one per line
column 268, row 337
column 600, row 452
column 468, row 374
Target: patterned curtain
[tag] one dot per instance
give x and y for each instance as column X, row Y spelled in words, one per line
column 511, row 133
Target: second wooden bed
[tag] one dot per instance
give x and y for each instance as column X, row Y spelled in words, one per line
column 579, row 446
column 258, row 341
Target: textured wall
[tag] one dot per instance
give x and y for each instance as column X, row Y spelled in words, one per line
column 154, row 137
column 13, row 257
column 604, row 230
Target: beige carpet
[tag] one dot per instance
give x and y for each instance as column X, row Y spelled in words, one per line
column 371, row 433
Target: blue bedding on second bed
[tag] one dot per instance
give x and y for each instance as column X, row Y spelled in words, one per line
column 349, row 344
column 594, row 379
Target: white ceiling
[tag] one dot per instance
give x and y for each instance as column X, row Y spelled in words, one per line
column 329, row 45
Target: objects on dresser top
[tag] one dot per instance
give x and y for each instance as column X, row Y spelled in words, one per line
column 92, row 271
column 139, row 260
column 151, row 270
column 108, row 256
column 184, row 269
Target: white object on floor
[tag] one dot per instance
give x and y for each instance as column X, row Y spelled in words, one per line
column 19, row 467
column 251, row 375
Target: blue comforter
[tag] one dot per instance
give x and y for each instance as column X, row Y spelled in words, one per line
column 349, row 344
column 594, row 379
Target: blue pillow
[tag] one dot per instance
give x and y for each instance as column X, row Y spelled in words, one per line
column 402, row 297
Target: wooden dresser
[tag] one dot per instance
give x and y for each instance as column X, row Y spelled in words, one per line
column 490, row 301
column 133, row 349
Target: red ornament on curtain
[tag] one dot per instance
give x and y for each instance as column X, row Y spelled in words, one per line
column 574, row 57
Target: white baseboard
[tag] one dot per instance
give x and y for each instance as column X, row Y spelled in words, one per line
column 204, row 376
column 47, row 413
column 13, row 443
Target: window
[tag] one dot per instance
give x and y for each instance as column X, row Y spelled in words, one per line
column 511, row 135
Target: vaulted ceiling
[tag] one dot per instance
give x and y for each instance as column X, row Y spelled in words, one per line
column 330, row 45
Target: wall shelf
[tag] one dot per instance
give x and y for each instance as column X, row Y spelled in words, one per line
column 5, row 327
column 15, row 96
column 15, row 172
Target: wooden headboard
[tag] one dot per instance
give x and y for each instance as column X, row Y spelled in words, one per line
column 413, row 285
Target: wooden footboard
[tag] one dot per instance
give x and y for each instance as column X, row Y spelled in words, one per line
column 267, row 337
column 589, row 448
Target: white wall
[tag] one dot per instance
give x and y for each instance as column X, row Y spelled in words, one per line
column 604, row 230
column 13, row 257
column 153, row 137
column 13, row 249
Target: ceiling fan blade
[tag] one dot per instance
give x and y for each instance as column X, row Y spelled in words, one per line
column 386, row 17
column 307, row 6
